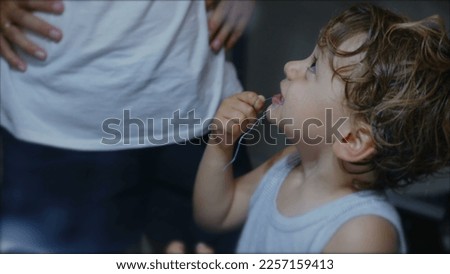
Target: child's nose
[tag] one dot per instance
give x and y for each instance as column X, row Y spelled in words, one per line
column 292, row 69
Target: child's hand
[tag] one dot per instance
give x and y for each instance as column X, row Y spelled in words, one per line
column 234, row 116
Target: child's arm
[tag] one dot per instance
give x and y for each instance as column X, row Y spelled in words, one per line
column 220, row 200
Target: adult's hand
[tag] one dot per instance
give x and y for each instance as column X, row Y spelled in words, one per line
column 17, row 16
column 227, row 21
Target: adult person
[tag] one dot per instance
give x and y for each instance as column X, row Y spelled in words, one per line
column 89, row 162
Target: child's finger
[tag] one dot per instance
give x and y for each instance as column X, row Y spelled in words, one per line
column 247, row 109
column 259, row 103
column 247, row 96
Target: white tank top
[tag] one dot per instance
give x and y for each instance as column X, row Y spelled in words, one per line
column 126, row 74
column 268, row 231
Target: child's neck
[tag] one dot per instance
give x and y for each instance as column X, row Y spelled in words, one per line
column 321, row 167
column 319, row 179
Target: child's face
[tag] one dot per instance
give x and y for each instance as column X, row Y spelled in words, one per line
column 308, row 90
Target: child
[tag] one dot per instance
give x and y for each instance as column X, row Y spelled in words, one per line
column 383, row 83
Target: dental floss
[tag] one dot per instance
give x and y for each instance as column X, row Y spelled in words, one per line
column 258, row 121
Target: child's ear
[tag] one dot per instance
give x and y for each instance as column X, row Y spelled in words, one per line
column 355, row 147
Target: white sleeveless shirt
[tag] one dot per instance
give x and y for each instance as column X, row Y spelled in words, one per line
column 126, row 74
column 268, row 231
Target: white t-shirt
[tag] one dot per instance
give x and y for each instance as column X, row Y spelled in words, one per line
column 126, row 74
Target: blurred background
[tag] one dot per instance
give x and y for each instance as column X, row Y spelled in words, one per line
column 281, row 31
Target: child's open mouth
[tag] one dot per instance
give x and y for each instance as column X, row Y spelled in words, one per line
column 278, row 99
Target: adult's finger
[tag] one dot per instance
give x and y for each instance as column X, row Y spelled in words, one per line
column 222, row 36
column 10, row 56
column 27, row 20
column 15, row 36
column 50, row 6
column 236, row 33
column 218, row 17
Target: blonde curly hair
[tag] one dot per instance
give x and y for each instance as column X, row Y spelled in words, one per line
column 402, row 91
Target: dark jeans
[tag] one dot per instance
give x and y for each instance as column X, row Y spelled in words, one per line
column 65, row 201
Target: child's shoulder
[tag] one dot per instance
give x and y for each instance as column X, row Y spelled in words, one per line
column 365, row 234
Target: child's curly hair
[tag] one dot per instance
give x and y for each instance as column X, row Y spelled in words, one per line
column 402, row 93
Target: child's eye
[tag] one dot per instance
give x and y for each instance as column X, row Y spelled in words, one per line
column 312, row 67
